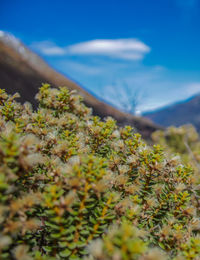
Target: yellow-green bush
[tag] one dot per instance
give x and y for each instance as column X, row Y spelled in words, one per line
column 183, row 141
column 73, row 186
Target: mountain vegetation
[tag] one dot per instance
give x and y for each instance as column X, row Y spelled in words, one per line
column 183, row 141
column 75, row 187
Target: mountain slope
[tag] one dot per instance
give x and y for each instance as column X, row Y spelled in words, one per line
column 186, row 112
column 23, row 71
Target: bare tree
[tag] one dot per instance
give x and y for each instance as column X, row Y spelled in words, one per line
column 123, row 96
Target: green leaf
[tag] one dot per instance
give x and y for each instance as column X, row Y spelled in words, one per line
column 84, row 252
column 48, row 249
column 55, row 235
column 65, row 253
column 161, row 245
column 84, row 232
column 72, row 245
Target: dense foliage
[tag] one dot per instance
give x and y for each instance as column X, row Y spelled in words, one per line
column 183, row 141
column 73, row 186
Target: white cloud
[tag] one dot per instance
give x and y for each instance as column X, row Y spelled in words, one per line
column 77, row 67
column 193, row 88
column 127, row 49
column 131, row 49
column 48, row 48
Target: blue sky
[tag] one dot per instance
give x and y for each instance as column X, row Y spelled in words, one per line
column 148, row 49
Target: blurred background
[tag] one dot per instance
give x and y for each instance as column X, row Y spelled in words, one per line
column 140, row 56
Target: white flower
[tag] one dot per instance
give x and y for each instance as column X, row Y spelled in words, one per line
column 74, row 160
column 132, row 159
column 123, row 169
column 116, row 134
column 96, row 248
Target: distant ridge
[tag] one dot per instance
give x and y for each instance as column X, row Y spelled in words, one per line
column 184, row 112
column 23, row 71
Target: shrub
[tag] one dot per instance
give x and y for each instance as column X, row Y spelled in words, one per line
column 73, row 186
column 183, row 141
